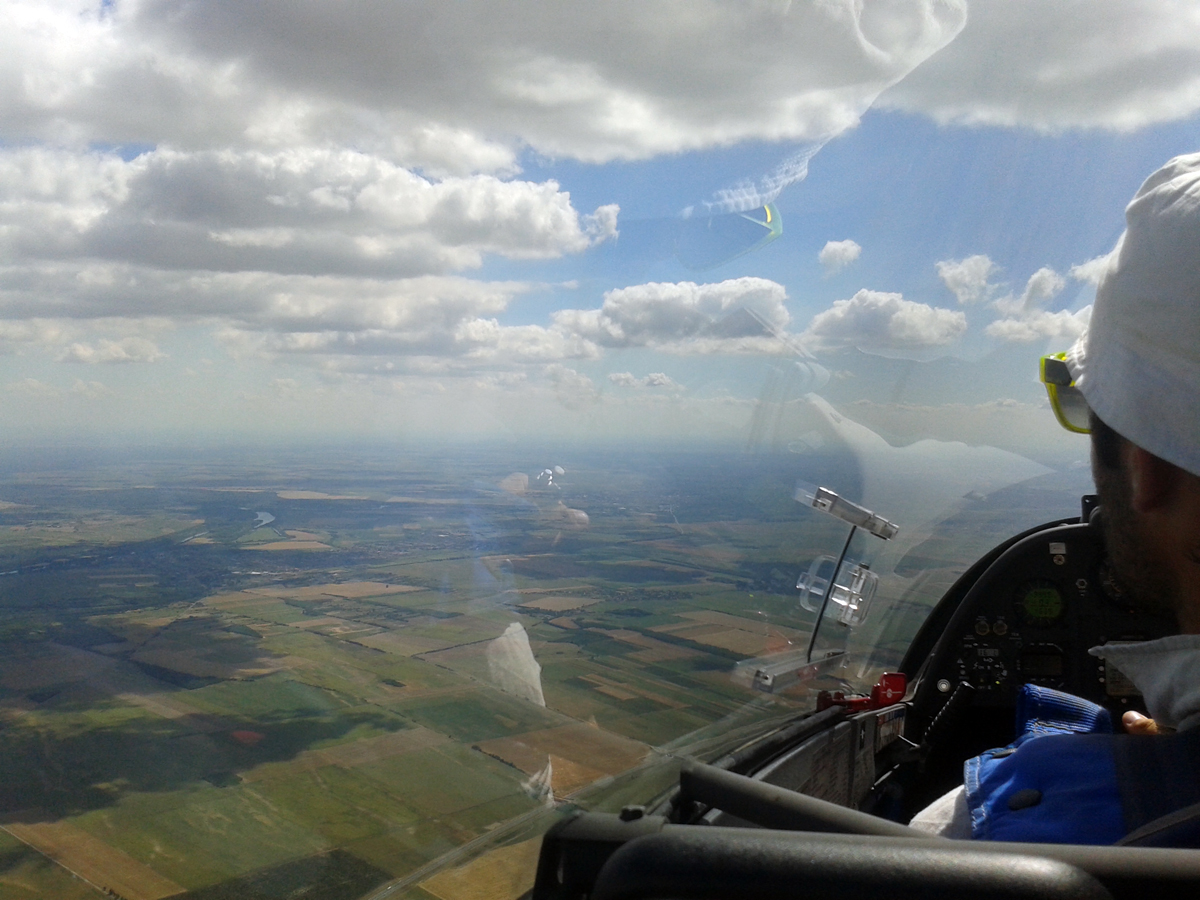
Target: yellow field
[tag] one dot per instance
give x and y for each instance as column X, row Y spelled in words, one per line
column 579, row 754
column 94, row 861
column 501, row 874
column 741, row 642
column 304, row 536
column 759, row 626
column 748, row 637
column 290, row 545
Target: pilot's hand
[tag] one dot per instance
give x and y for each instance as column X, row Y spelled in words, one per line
column 1136, row 723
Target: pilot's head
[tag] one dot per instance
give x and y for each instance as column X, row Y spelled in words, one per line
column 1133, row 382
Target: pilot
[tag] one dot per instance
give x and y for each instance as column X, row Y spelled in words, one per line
column 1132, row 382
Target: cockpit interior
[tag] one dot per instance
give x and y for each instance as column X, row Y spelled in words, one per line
column 517, row 449
column 816, row 808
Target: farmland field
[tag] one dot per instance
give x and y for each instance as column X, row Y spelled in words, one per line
column 427, row 649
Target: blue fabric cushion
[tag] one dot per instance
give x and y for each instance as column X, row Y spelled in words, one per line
column 1057, row 782
column 1075, row 775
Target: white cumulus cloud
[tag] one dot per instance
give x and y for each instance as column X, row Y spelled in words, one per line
column 836, row 255
column 1059, row 64
column 302, row 210
column 454, row 87
column 968, row 279
column 652, row 380
column 1091, row 271
column 1040, row 324
column 885, row 323
column 740, row 314
column 1023, row 317
column 126, row 350
column 1043, row 286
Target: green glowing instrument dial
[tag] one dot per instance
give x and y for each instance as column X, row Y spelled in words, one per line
column 1040, row 603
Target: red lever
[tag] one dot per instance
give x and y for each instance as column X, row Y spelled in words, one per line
column 891, row 689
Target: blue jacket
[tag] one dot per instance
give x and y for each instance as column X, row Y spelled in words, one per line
column 1068, row 779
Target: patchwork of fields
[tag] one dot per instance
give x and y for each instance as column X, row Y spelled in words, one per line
column 253, row 683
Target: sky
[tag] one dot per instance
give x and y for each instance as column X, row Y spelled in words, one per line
column 494, row 220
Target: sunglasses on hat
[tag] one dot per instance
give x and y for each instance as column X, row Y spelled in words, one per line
column 1069, row 407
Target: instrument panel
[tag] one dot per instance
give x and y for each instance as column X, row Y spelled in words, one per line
column 1031, row 617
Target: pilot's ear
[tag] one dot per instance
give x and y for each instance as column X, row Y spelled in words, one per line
column 1154, row 483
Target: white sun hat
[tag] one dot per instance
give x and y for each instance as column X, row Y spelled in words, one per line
column 1138, row 363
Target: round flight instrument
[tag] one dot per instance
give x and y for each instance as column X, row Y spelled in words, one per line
column 1040, row 603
